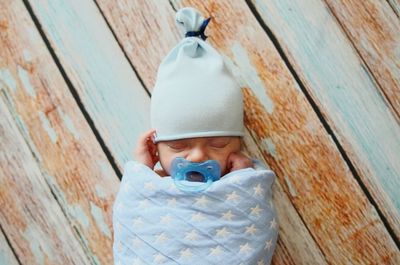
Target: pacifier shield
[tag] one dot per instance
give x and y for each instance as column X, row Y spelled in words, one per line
column 187, row 174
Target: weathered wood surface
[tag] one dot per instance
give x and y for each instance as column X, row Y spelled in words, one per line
column 395, row 4
column 106, row 84
column 325, row 215
column 70, row 161
column 296, row 238
column 348, row 97
column 228, row 38
column 374, row 30
column 33, row 221
column 6, row 254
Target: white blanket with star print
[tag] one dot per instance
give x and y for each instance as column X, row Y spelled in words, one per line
column 232, row 222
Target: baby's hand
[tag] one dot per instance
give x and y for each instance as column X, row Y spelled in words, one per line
column 146, row 150
column 238, row 161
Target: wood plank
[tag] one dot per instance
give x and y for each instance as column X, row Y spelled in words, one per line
column 374, row 30
column 30, row 216
column 395, row 4
column 344, row 92
column 123, row 17
column 105, row 82
column 344, row 213
column 68, row 155
column 6, row 254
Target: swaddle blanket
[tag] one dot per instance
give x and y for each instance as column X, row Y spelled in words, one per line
column 232, row 222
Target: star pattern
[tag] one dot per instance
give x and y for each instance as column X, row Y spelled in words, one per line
column 258, row 190
column 188, row 221
column 268, row 245
column 198, row 217
column 235, row 179
column 186, row 253
column 192, row 235
column 171, row 202
column 161, row 238
column 228, row 215
column 217, row 251
column 137, row 221
column 159, row 258
column 273, row 224
column 166, row 219
column 202, row 201
column 256, row 210
column 245, row 248
column 223, row 232
column 144, row 203
column 136, row 242
column 232, row 196
column 251, row 229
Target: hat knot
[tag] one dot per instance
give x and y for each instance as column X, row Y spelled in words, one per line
column 191, row 22
column 200, row 32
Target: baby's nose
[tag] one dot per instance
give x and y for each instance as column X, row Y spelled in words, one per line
column 197, row 155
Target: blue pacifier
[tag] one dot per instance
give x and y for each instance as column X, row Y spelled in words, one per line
column 194, row 177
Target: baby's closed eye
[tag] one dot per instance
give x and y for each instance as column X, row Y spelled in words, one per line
column 177, row 145
column 219, row 142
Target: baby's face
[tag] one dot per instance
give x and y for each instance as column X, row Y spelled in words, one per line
column 198, row 150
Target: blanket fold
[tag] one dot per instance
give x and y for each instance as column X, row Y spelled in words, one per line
column 232, row 222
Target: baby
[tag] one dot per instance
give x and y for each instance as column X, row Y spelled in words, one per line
column 226, row 150
column 197, row 116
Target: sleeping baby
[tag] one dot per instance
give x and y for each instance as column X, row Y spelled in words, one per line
column 191, row 196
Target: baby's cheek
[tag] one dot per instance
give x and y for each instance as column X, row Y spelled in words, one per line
column 223, row 166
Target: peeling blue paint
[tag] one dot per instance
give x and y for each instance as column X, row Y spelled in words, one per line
column 101, row 76
column 24, row 77
column 100, row 192
column 69, row 124
column 46, row 124
column 80, row 215
column 270, row 147
column 97, row 214
column 252, row 77
column 343, row 87
column 27, row 55
column 290, row 186
column 7, row 78
column 39, row 248
column 96, row 259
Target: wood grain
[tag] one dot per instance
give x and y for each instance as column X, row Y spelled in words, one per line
column 324, row 215
column 68, row 155
column 6, row 254
column 107, row 86
column 289, row 134
column 30, row 216
column 296, row 145
column 122, row 23
column 374, row 30
column 336, row 79
column 395, row 4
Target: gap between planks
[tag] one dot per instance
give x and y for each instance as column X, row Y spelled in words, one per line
column 329, row 130
column 72, row 89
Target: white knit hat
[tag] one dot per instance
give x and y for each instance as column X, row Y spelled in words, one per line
column 195, row 95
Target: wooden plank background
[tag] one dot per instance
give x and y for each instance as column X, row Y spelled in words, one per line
column 321, row 80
